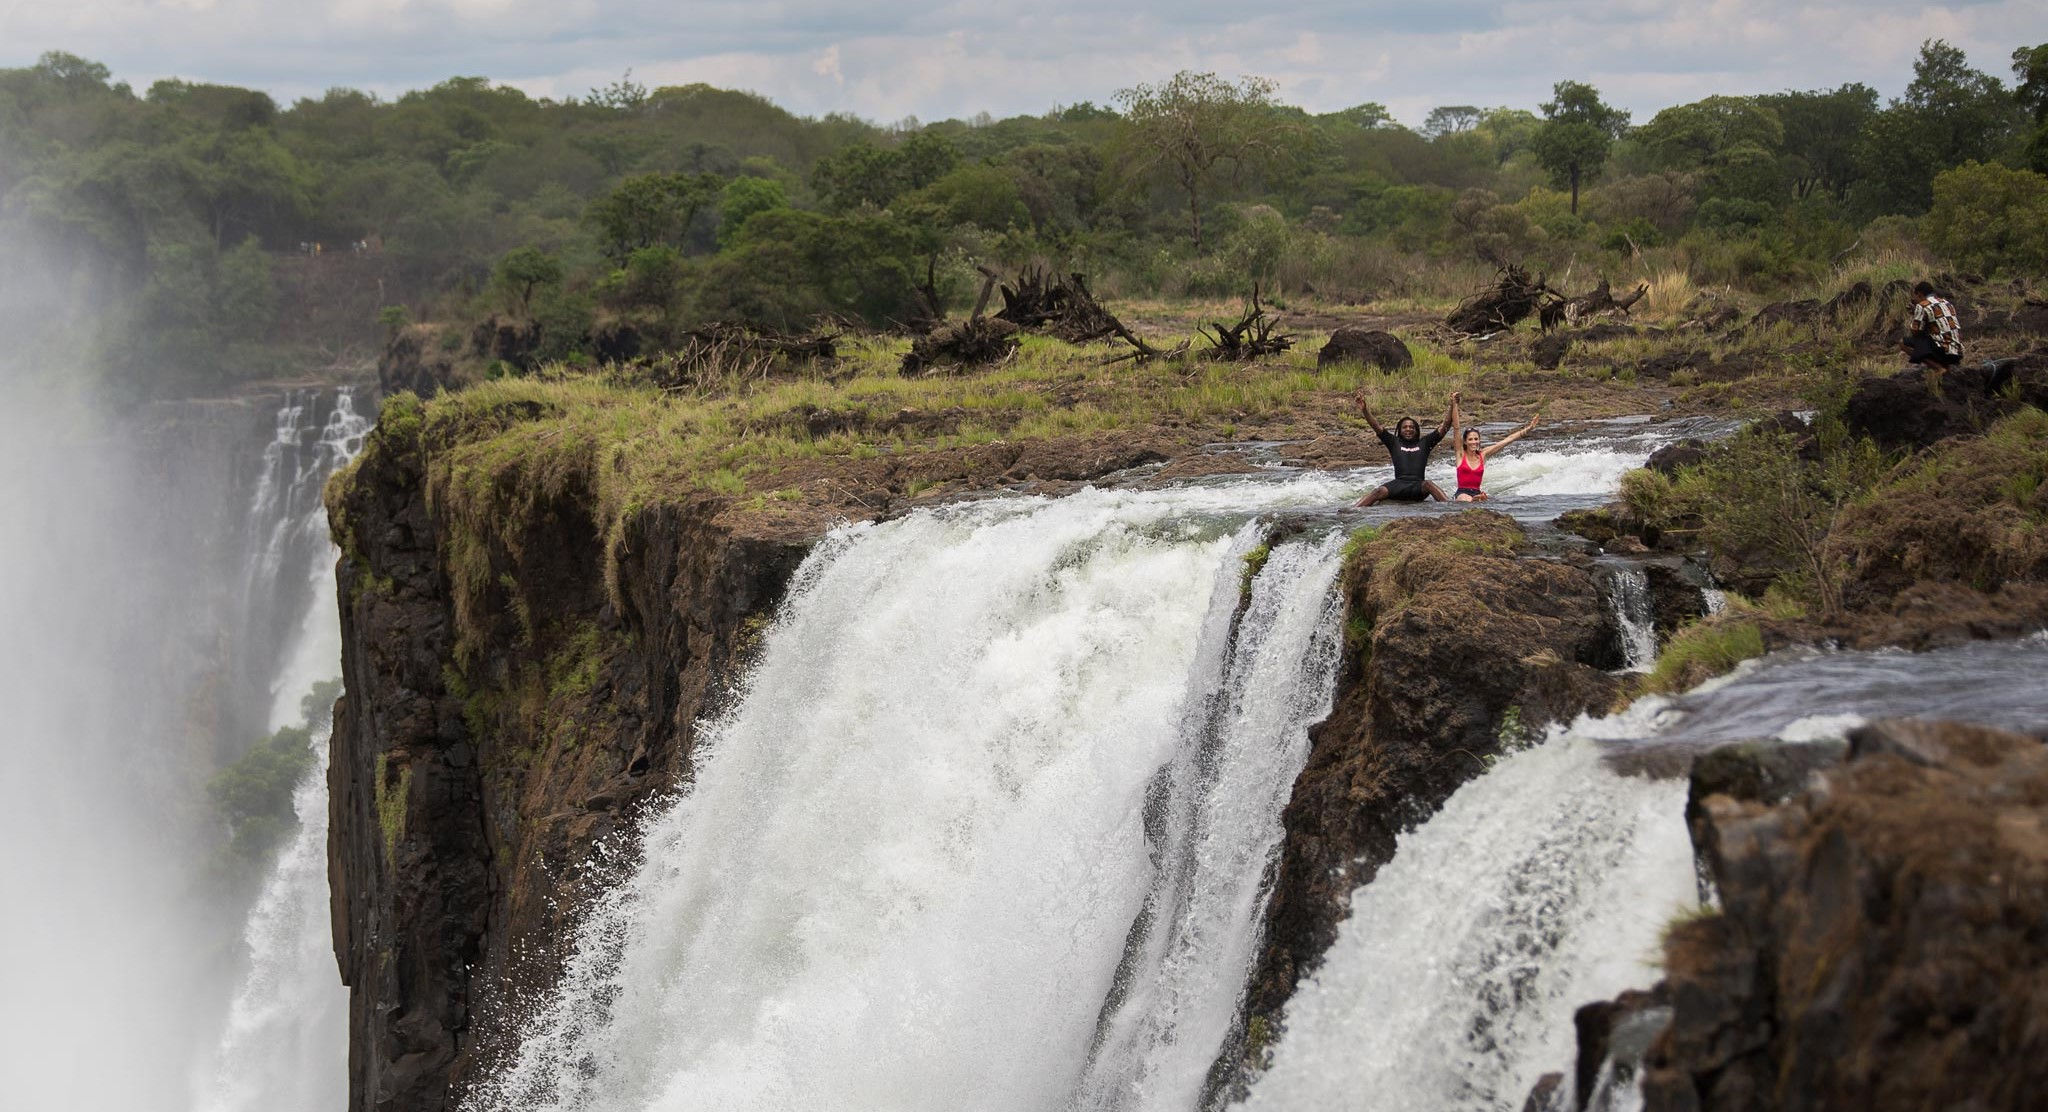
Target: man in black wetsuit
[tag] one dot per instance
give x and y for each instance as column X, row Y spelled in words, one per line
column 1410, row 451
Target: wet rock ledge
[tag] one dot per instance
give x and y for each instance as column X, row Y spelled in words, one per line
column 1882, row 942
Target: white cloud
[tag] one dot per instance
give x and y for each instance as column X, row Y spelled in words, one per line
column 939, row 58
column 827, row 65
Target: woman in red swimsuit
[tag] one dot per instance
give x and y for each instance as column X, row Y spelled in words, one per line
column 1472, row 457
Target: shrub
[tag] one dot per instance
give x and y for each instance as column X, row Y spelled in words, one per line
column 1991, row 218
column 1973, row 511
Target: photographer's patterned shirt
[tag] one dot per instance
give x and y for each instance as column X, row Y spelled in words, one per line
column 1937, row 318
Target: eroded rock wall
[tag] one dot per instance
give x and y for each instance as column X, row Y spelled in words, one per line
column 1882, row 942
column 1459, row 642
column 507, row 716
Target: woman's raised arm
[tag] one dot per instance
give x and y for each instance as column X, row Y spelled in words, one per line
column 1510, row 438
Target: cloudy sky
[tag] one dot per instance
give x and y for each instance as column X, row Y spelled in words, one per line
column 939, row 58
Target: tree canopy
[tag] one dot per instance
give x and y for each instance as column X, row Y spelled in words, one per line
column 214, row 235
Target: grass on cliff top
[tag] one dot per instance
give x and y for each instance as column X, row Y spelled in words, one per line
column 496, row 452
column 636, row 443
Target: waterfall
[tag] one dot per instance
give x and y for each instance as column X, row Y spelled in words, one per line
column 285, row 1043
column 1239, row 752
column 293, row 639
column 1545, row 883
column 1539, row 887
column 987, row 828
column 1628, row 596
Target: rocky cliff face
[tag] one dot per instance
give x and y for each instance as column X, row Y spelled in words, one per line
column 507, row 713
column 1882, row 936
column 1458, row 645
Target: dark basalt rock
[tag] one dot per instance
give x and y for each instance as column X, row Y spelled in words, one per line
column 1548, row 1095
column 508, row 338
column 1661, row 367
column 1549, row 350
column 1675, row 601
column 1667, row 460
column 461, row 836
column 1374, row 348
column 1880, row 943
column 1915, row 408
column 1461, row 647
column 1614, row 1035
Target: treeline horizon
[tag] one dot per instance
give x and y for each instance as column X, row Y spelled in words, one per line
column 198, row 220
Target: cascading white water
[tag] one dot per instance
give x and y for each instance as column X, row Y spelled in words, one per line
column 989, row 827
column 1628, row 596
column 285, row 1042
column 1241, row 748
column 911, row 857
column 313, row 651
column 284, row 1047
column 1589, row 468
column 1539, row 887
column 1545, row 884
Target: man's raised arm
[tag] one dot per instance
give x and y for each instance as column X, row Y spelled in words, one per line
column 1365, row 407
column 1450, row 416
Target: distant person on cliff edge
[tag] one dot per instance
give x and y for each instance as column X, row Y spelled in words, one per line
column 1410, row 449
column 1933, row 338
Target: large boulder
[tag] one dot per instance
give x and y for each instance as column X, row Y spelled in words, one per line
column 511, row 339
column 1669, row 459
column 1675, row 600
column 1915, row 408
column 1549, row 350
column 1374, row 348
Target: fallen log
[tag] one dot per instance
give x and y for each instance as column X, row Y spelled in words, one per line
column 1572, row 310
column 1061, row 307
column 976, row 342
column 1515, row 297
column 721, row 356
column 1252, row 337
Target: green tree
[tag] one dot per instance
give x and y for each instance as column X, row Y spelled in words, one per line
column 244, row 296
column 1821, row 131
column 1196, row 126
column 1450, row 119
column 985, row 196
column 926, row 157
column 858, row 175
column 1059, row 183
column 253, row 796
column 742, row 198
column 1578, row 130
column 2030, row 78
column 1991, row 218
column 1369, row 115
column 1950, row 114
column 623, row 95
column 1510, row 130
column 1731, row 141
column 524, row 270
column 651, row 210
